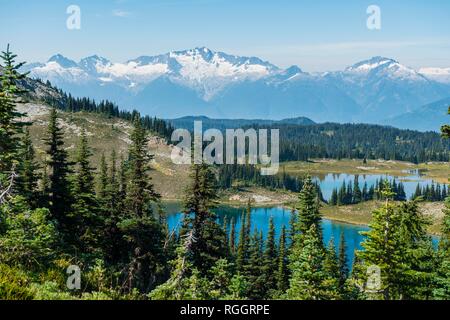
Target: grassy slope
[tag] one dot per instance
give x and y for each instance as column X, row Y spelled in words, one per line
column 104, row 135
column 361, row 213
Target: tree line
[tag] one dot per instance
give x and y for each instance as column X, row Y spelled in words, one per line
column 66, row 102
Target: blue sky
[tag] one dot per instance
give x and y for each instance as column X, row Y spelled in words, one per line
column 315, row 35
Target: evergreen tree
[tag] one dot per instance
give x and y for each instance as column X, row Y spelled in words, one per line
column 200, row 199
column 306, row 267
column 383, row 247
column 10, row 127
column 59, row 192
column 270, row 259
column 343, row 263
column 308, row 208
column 282, row 270
column 232, row 237
column 143, row 232
column 86, row 207
column 331, row 269
column 27, row 175
column 253, row 270
column 103, row 179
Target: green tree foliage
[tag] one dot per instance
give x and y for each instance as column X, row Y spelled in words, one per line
column 29, row 236
column 200, row 198
column 59, row 192
column 10, row 126
column 382, row 247
column 86, row 206
column 308, row 209
column 282, row 273
column 142, row 231
column 27, row 172
column 306, row 266
column 270, row 259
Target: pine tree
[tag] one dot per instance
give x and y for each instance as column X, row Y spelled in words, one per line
column 142, row 231
column 270, row 259
column 59, row 192
column 308, row 208
column 442, row 289
column 27, row 175
column 200, row 199
column 10, row 127
column 343, row 263
column 282, row 270
column 232, row 237
column 242, row 253
column 103, row 180
column 86, row 207
column 357, row 196
column 253, row 270
column 383, row 247
column 306, row 267
column 331, row 269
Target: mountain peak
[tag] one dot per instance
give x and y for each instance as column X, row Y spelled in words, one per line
column 371, row 64
column 63, row 61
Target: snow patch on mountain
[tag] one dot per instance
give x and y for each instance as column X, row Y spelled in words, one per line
column 437, row 74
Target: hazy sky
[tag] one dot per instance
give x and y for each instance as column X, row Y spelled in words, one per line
column 315, row 35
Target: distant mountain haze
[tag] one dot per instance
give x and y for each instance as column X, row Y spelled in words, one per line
column 218, row 85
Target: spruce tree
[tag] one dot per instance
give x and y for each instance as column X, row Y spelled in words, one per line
column 232, row 237
column 383, row 246
column 142, row 231
column 59, row 192
column 86, row 206
column 308, row 209
column 200, row 199
column 27, row 172
column 270, row 259
column 306, row 267
column 282, row 270
column 10, row 126
column 343, row 263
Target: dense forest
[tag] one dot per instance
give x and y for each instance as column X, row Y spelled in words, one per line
column 109, row 223
column 360, row 141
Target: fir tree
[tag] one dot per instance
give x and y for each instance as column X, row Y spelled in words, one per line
column 59, row 192
column 27, row 175
column 200, row 199
column 383, row 247
column 270, row 259
column 343, row 263
column 282, row 270
column 306, row 267
column 308, row 208
column 10, row 127
column 86, row 207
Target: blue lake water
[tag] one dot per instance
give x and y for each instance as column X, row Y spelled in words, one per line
column 260, row 220
column 331, row 181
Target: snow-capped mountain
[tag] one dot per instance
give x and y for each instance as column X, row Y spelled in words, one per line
column 204, row 82
column 437, row 74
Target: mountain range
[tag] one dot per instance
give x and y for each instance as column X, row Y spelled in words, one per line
column 215, row 84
